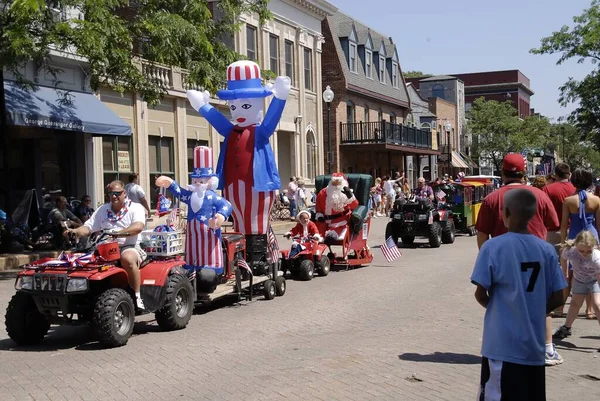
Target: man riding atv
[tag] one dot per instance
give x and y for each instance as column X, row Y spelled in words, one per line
column 423, row 191
column 126, row 220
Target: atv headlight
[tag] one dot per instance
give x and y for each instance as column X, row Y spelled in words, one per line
column 24, row 283
column 77, row 284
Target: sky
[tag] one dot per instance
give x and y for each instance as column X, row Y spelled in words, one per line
column 450, row 37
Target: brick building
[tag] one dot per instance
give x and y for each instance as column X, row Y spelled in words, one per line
column 370, row 105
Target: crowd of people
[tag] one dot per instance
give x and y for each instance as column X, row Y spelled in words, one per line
column 538, row 245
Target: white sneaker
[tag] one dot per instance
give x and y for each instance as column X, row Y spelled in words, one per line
column 140, row 303
column 554, row 358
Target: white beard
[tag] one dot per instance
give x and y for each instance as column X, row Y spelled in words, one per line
column 197, row 197
column 336, row 200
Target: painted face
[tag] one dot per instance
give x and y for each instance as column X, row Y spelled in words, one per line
column 584, row 250
column 246, row 112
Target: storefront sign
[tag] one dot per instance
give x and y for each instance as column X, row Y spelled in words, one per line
column 123, row 160
column 47, row 123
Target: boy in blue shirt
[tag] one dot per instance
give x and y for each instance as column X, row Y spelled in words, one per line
column 519, row 281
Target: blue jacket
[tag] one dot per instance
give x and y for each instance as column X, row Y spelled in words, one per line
column 266, row 176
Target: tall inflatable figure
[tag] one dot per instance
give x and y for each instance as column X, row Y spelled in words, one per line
column 246, row 168
column 206, row 213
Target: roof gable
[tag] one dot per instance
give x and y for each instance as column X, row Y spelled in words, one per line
column 369, row 42
column 353, row 37
column 382, row 51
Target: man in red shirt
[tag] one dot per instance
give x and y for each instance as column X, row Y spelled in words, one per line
column 490, row 223
column 557, row 192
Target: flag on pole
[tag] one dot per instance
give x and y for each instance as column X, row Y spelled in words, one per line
column 273, row 246
column 244, row 265
column 390, row 250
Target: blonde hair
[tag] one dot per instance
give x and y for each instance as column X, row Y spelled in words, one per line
column 585, row 238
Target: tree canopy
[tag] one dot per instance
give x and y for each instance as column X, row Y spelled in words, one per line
column 113, row 34
column 581, row 42
column 415, row 74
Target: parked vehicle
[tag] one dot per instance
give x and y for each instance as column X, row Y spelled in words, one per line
column 420, row 218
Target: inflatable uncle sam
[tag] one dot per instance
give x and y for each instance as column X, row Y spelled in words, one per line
column 246, row 168
column 206, row 213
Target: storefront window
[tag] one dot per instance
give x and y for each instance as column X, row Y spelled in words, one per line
column 161, row 161
column 117, row 159
column 191, row 144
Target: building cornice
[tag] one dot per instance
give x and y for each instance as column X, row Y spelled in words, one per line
column 377, row 96
column 508, row 85
column 318, row 7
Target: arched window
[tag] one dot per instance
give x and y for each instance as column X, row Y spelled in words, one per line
column 437, row 91
column 426, row 126
column 311, row 155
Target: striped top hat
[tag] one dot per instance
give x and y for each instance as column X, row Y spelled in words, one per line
column 203, row 163
column 243, row 82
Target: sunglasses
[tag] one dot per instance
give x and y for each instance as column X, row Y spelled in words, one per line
column 116, row 193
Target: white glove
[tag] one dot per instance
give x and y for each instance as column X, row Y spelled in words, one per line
column 198, row 99
column 281, row 87
column 319, row 216
column 287, row 235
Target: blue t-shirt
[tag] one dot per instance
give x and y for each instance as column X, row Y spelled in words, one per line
column 520, row 272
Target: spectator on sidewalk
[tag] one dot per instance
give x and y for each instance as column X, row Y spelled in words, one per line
column 291, row 194
column 301, row 197
column 557, row 192
column 84, row 210
column 518, row 282
column 491, row 224
column 136, row 193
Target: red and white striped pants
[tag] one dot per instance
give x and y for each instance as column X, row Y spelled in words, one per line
column 203, row 247
column 251, row 208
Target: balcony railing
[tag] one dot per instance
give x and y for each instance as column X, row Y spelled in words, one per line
column 383, row 132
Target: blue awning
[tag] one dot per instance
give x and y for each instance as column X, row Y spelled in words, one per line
column 42, row 108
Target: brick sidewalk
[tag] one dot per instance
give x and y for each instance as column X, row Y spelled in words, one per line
column 407, row 331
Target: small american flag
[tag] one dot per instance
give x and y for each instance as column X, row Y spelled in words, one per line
column 274, row 247
column 390, row 250
column 244, row 265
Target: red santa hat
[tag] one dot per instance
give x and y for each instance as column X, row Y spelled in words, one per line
column 340, row 176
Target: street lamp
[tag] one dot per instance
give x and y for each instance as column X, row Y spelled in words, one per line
column 448, row 127
column 328, row 98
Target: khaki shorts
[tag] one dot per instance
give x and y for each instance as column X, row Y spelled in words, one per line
column 141, row 254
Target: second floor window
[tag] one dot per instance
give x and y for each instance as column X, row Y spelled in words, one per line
column 274, row 53
column 352, row 58
column 308, row 79
column 368, row 64
column 289, row 60
column 382, row 70
column 251, row 42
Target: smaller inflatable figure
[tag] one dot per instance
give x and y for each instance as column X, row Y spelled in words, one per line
column 206, row 213
column 334, row 206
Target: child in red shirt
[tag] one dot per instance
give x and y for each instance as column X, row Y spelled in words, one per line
column 305, row 227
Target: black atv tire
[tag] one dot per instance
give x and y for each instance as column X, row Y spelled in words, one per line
column 306, row 270
column 25, row 324
column 269, row 289
column 389, row 232
column 435, row 234
column 448, row 233
column 408, row 239
column 179, row 304
column 323, row 266
column 280, row 286
column 105, row 322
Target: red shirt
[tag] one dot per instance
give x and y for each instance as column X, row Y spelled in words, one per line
column 239, row 158
column 557, row 192
column 489, row 220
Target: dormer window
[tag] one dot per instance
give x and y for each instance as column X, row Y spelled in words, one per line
column 352, row 57
column 395, row 75
column 382, row 69
column 369, row 64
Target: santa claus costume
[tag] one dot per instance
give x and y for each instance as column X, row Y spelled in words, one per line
column 334, row 206
column 304, row 229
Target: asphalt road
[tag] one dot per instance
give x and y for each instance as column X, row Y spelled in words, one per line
column 408, row 330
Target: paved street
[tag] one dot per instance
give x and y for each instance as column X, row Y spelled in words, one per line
column 404, row 331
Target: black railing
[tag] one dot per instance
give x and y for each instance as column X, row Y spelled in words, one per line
column 383, row 132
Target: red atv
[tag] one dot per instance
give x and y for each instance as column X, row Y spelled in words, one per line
column 302, row 260
column 87, row 286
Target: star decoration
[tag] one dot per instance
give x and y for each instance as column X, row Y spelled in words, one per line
column 209, row 197
column 210, row 171
column 224, row 208
column 218, row 198
column 184, row 198
column 177, row 190
column 203, row 217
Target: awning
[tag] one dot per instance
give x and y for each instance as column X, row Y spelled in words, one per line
column 42, row 108
column 469, row 161
column 458, row 161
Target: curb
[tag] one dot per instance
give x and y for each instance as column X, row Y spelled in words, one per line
column 9, row 274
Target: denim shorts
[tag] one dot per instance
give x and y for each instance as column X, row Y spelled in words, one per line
column 577, row 287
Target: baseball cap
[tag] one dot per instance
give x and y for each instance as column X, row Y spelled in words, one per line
column 513, row 162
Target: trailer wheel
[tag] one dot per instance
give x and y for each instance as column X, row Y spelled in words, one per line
column 269, row 289
column 307, row 270
column 280, row 286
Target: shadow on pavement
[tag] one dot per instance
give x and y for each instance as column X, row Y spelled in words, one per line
column 442, row 357
column 565, row 345
column 591, row 337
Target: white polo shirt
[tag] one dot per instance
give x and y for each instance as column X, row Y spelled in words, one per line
column 99, row 221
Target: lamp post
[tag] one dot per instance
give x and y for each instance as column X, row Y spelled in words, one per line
column 328, row 98
column 448, row 127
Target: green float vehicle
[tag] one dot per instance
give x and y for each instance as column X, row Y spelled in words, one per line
column 458, row 197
